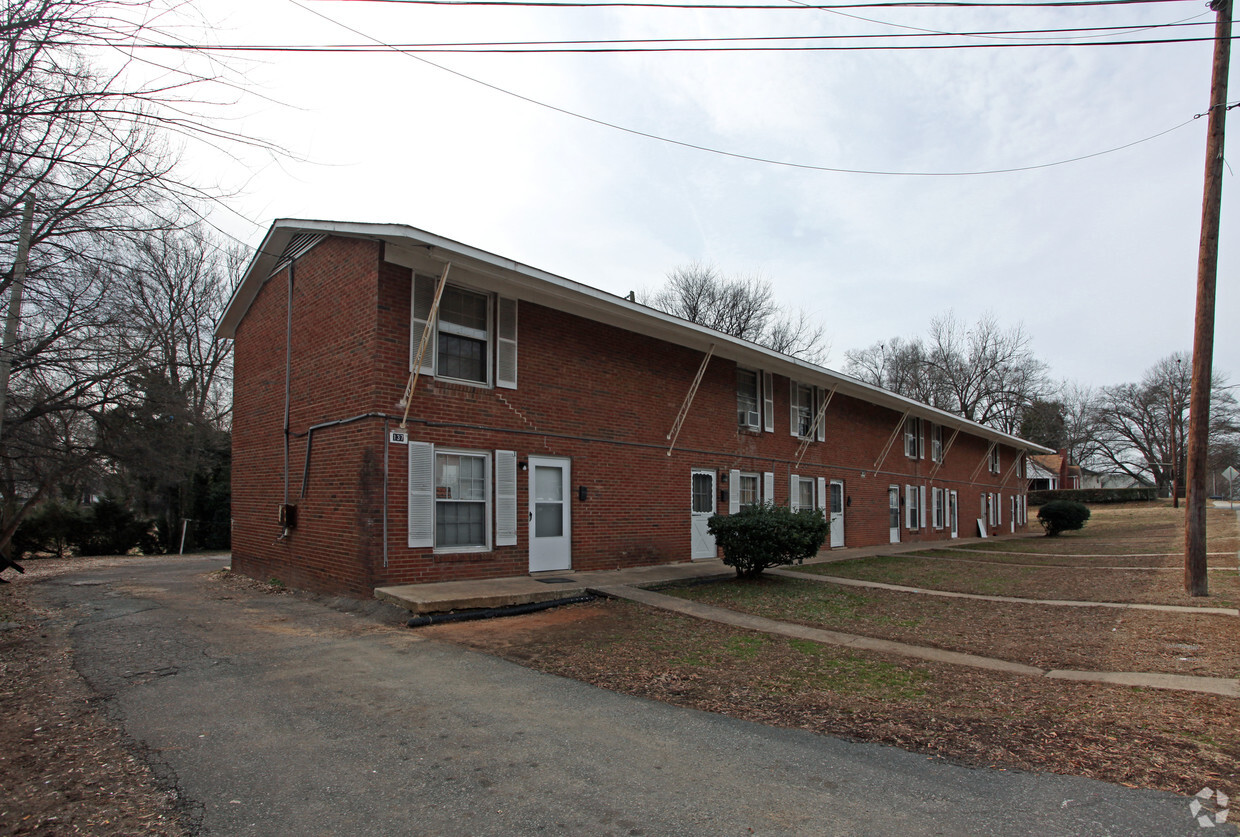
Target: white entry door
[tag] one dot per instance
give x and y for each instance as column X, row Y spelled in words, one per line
column 702, row 501
column 953, row 514
column 893, row 511
column 551, row 535
column 837, row 513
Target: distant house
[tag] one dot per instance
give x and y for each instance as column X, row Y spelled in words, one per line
column 1053, row 471
column 553, row 427
column 1098, row 479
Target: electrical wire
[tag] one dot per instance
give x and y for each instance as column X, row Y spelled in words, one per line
column 700, row 44
column 887, row 4
column 721, row 152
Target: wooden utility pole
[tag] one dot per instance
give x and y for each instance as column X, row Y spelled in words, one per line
column 15, row 306
column 1195, row 582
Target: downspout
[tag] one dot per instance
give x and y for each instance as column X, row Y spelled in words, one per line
column 288, row 375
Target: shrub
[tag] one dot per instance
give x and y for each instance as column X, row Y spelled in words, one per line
column 53, row 526
column 1062, row 516
column 113, row 529
column 767, row 535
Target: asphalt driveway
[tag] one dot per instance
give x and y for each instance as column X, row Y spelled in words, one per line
column 282, row 715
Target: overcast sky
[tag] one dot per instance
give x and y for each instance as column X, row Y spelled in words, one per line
column 1097, row 258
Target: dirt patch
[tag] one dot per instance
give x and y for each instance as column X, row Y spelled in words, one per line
column 1147, row 738
column 1164, row 586
column 64, row 766
column 1102, row 639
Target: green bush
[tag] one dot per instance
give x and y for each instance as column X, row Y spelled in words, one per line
column 115, row 530
column 767, row 535
column 53, row 527
column 1062, row 516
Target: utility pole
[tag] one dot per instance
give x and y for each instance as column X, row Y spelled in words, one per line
column 1195, row 581
column 15, row 307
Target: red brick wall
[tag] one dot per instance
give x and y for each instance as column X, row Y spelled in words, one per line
column 601, row 396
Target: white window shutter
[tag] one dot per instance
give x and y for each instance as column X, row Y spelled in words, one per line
column 998, row 509
column 921, row 439
column 423, row 299
column 822, row 493
column 910, row 506
column 421, row 494
column 822, row 423
column 768, row 487
column 506, row 345
column 792, row 405
column 734, row 492
column 794, row 496
column 505, row 498
column 921, row 505
column 934, row 507
column 768, row 402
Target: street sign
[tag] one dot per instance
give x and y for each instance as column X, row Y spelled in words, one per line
column 398, row 437
column 1230, row 474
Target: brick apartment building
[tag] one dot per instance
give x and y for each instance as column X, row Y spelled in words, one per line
column 553, row 426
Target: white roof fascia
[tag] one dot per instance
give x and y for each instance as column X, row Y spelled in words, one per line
column 553, row 291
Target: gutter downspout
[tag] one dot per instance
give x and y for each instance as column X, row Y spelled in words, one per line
column 288, row 375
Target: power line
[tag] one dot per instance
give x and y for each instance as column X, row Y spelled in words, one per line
column 485, row 49
column 891, row 4
column 699, row 44
column 722, row 152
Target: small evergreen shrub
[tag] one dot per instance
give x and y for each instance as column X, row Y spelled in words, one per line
column 53, row 526
column 1062, row 516
column 113, row 529
column 767, row 535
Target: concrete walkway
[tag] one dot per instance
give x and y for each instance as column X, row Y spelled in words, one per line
column 544, row 587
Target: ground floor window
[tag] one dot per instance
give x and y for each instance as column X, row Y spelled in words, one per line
column 748, row 490
column 940, row 509
column 801, row 493
column 461, row 500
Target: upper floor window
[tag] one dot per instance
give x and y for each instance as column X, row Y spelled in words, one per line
column 474, row 338
column 747, row 414
column 994, row 459
column 464, row 336
column 936, row 442
column 802, row 409
column 913, row 439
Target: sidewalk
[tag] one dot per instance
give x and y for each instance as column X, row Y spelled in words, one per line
column 544, row 587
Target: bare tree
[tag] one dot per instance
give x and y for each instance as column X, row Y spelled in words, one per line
column 983, row 372
column 742, row 306
column 897, row 365
column 91, row 145
column 1137, row 425
column 167, row 441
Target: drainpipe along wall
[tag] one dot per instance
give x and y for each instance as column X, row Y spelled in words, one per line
column 288, row 374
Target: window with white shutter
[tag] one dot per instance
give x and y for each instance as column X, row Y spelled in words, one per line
column 421, row 494
column 506, row 345
column 768, row 487
column 768, row 402
column 505, row 498
column 474, row 338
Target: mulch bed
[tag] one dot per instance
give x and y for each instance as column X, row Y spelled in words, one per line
column 1146, row 738
column 65, row 767
column 964, row 574
column 1103, row 639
